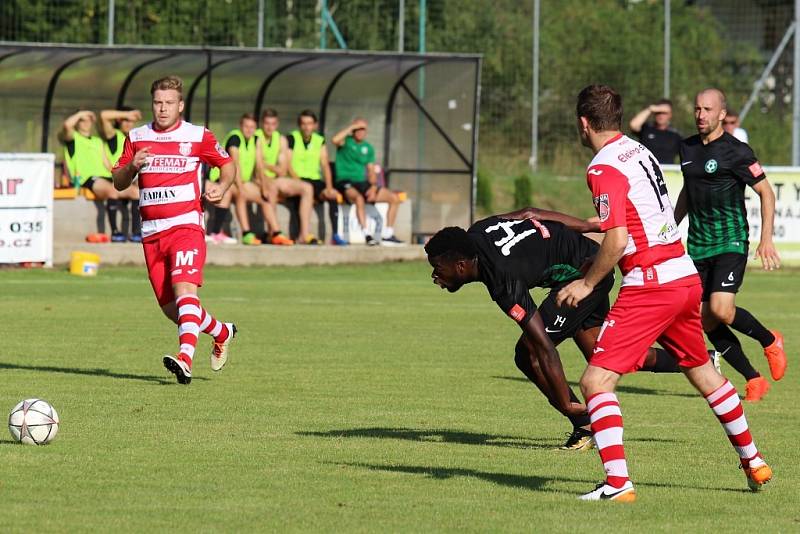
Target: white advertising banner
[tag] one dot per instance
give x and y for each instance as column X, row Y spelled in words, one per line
column 785, row 182
column 26, row 208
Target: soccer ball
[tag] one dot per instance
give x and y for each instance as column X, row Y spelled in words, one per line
column 33, row 422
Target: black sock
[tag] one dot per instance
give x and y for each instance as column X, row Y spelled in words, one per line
column 217, row 220
column 333, row 214
column 112, row 207
column 136, row 218
column 728, row 345
column 748, row 325
column 665, row 363
column 126, row 215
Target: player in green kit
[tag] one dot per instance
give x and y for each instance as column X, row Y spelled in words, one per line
column 716, row 168
column 357, row 182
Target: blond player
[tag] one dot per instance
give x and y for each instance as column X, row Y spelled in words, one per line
column 166, row 155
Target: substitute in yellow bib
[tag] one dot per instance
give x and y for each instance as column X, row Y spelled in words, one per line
column 241, row 145
column 308, row 161
column 88, row 165
column 114, row 127
column 271, row 166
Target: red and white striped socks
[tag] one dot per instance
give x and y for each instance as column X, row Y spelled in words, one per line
column 212, row 327
column 193, row 319
column 606, row 419
column 725, row 403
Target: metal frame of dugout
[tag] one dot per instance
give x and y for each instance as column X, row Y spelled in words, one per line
column 423, row 108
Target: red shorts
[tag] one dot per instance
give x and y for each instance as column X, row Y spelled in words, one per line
column 668, row 314
column 176, row 256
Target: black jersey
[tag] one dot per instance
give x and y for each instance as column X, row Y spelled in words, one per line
column 714, row 177
column 664, row 144
column 515, row 256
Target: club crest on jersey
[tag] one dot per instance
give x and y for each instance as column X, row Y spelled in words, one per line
column 221, row 151
column 711, row 166
column 601, row 205
column 185, row 149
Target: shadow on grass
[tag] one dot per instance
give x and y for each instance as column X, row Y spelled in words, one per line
column 528, row 482
column 437, row 436
column 635, row 390
column 91, row 372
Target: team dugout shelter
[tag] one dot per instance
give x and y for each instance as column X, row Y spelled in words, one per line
column 422, row 108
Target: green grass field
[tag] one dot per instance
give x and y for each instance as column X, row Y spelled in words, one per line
column 356, row 399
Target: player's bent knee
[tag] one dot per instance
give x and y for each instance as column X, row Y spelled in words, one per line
column 723, row 312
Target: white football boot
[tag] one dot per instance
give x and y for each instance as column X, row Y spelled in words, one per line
column 219, row 351
column 605, row 492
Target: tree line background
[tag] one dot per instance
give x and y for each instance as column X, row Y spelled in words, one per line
column 619, row 42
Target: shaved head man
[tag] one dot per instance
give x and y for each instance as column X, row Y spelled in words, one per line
column 710, row 108
column 716, row 168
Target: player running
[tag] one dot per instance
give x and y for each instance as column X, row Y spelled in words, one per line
column 512, row 256
column 166, row 155
column 716, row 168
column 659, row 299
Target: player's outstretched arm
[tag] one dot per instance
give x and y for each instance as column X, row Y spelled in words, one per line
column 766, row 248
column 573, row 223
column 550, row 363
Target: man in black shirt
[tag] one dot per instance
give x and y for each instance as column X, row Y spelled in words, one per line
column 513, row 253
column 660, row 138
column 716, row 168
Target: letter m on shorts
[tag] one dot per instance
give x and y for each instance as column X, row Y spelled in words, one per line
column 184, row 257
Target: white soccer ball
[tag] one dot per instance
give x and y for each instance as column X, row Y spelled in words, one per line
column 33, row 422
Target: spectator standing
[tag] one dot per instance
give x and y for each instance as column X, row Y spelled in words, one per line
column 660, row 137
column 732, row 125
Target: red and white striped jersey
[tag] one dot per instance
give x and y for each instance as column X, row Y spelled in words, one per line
column 629, row 190
column 170, row 181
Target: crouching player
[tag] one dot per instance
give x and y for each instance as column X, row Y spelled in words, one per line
column 511, row 256
column 167, row 155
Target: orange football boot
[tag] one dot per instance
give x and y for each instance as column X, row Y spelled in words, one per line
column 776, row 356
column 757, row 476
column 280, row 239
column 756, row 388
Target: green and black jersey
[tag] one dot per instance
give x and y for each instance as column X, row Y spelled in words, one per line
column 714, row 178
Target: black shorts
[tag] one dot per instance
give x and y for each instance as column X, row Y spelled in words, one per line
column 563, row 323
column 318, row 185
column 89, row 183
column 722, row 273
column 344, row 185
